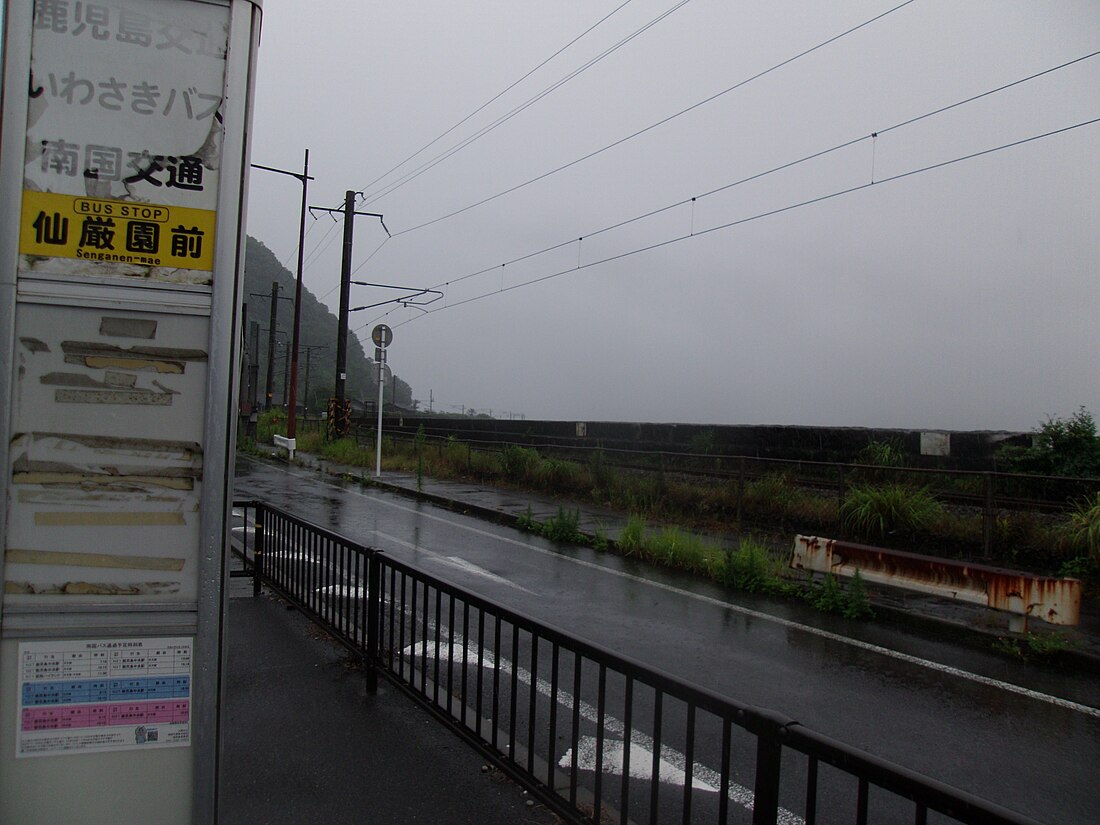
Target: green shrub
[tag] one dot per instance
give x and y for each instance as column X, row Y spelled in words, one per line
column 557, row 475
column 1084, row 525
column 749, row 567
column 882, row 454
column 602, row 475
column 519, row 463
column 632, row 539
column 563, row 527
column 874, row 512
column 1063, row 447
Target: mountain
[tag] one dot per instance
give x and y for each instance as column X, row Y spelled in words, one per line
column 318, row 331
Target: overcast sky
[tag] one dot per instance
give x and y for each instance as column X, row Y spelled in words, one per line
column 964, row 297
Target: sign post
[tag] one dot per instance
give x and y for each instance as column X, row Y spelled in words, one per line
column 124, row 160
column 382, row 336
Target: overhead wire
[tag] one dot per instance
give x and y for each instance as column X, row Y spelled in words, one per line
column 655, row 125
column 424, row 167
column 787, row 165
column 781, row 167
column 758, row 216
column 497, row 96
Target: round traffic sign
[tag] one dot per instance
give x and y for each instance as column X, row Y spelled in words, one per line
column 381, row 335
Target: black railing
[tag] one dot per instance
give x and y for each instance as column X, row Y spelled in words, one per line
column 598, row 736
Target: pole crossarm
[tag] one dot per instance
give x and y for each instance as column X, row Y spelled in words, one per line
column 342, row 211
column 302, row 178
column 405, row 300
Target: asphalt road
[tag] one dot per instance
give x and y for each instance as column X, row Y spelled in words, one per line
column 1024, row 737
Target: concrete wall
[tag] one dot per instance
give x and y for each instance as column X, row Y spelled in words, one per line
column 972, row 450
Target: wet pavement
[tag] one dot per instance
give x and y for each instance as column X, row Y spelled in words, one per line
column 883, row 704
column 303, row 742
column 936, row 615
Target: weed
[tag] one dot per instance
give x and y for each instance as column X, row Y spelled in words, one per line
column 1038, row 645
column 602, row 475
column 830, row 597
column 563, row 527
column 748, row 567
column 882, row 454
column 632, row 539
column 518, row 463
column 528, row 523
column 1084, row 525
column 873, row 512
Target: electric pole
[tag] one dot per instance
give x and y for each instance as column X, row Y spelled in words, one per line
column 340, row 414
column 271, row 342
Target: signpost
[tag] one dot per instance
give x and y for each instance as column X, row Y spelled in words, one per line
column 382, row 336
column 123, row 163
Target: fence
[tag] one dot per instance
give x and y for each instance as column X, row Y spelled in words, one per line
column 639, row 744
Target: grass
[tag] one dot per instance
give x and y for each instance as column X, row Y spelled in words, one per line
column 877, row 511
column 890, row 514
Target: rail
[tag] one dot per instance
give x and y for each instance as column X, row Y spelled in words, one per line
column 640, row 745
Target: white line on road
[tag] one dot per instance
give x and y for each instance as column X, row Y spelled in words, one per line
column 756, row 614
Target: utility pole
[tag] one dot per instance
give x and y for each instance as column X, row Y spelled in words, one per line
column 303, row 178
column 339, row 415
column 305, row 392
column 275, row 298
column 271, row 342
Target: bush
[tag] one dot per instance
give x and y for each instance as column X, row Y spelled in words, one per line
column 749, row 567
column 1084, row 525
column 882, row 454
column 519, row 464
column 1063, row 447
column 829, row 597
column 874, row 512
column 563, row 527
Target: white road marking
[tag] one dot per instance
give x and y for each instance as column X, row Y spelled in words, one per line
column 947, row 670
column 641, row 763
column 453, row 561
column 703, row 777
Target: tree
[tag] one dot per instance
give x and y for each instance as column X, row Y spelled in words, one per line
column 1062, row 447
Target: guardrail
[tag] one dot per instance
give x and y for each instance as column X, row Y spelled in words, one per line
column 521, row 691
column 1055, row 600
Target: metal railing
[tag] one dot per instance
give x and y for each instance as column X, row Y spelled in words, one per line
column 597, row 736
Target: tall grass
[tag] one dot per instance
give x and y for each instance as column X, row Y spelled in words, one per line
column 874, row 511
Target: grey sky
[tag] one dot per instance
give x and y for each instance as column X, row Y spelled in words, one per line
column 963, row 297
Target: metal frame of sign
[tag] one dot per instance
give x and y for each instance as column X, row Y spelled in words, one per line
column 202, row 615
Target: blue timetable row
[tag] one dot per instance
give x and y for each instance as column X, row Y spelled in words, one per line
column 71, row 691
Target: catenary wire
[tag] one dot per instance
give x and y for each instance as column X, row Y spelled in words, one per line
column 655, row 125
column 497, row 96
column 424, row 167
column 789, row 164
column 812, row 156
column 769, row 213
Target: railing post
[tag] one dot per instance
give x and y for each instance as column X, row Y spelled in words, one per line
column 257, row 548
column 769, row 752
column 374, row 608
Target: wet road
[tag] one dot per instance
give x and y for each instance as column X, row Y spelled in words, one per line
column 1026, row 738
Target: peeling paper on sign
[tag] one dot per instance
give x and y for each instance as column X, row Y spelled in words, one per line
column 82, row 588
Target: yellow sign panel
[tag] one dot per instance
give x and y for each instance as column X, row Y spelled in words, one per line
column 145, row 234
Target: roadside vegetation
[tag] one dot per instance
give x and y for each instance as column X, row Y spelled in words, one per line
column 873, row 507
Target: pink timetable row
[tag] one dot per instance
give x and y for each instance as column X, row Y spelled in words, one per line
column 105, row 715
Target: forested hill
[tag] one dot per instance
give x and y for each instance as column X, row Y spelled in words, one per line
column 319, row 327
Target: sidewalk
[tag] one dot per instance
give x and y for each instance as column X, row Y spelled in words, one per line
column 937, row 615
column 304, row 743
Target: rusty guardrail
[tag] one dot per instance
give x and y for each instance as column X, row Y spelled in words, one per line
column 1054, row 600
